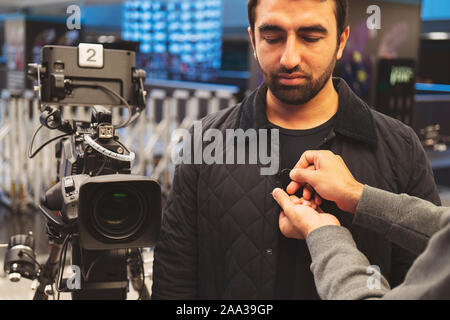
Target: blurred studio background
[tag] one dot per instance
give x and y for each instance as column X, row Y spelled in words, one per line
column 198, row 59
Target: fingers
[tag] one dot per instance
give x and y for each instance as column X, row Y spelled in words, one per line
column 304, row 202
column 317, row 199
column 309, row 204
column 312, row 197
column 288, row 203
column 306, row 159
column 311, row 157
column 293, row 187
column 296, row 200
column 308, row 192
column 283, row 199
column 299, row 178
column 302, row 176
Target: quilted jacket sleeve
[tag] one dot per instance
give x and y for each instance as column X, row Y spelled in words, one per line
column 421, row 184
column 175, row 263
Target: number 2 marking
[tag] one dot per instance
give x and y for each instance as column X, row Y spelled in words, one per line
column 93, row 55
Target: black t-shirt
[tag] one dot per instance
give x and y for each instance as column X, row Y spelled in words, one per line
column 294, row 278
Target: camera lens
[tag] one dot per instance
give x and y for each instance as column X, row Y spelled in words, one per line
column 118, row 213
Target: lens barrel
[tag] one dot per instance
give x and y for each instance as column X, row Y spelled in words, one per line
column 118, row 212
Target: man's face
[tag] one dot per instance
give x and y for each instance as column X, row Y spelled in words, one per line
column 295, row 44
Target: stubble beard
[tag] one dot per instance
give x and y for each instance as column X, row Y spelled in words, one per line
column 297, row 94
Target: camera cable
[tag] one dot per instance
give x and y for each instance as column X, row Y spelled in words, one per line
column 131, row 117
column 62, row 264
column 31, row 154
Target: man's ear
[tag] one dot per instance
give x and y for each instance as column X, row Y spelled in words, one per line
column 343, row 42
column 252, row 40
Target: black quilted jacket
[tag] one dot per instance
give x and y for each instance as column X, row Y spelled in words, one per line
column 219, row 234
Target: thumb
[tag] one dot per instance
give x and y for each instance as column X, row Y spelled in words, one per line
column 303, row 176
column 283, row 199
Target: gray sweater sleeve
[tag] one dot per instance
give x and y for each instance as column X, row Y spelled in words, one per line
column 342, row 272
column 404, row 220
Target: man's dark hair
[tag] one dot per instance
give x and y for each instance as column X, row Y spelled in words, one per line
column 341, row 14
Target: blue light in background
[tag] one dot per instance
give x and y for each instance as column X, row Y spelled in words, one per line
column 146, row 16
column 136, row 36
column 185, row 6
column 160, row 36
column 435, row 9
column 171, row 6
column 432, row 87
column 145, row 47
column 175, row 48
column 147, row 37
column 160, row 48
column 184, row 36
column 186, row 26
column 159, row 15
column 146, row 26
column 145, row 5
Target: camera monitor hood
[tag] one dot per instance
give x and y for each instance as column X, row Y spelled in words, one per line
column 88, row 75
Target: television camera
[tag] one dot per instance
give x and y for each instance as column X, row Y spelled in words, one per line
column 97, row 206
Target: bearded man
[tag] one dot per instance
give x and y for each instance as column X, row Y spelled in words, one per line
column 220, row 235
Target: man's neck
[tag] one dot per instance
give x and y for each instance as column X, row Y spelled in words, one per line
column 312, row 114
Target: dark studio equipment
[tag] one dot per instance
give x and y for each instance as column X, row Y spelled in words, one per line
column 432, row 138
column 20, row 259
column 395, row 88
column 97, row 206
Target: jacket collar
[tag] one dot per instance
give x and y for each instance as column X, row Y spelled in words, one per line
column 353, row 119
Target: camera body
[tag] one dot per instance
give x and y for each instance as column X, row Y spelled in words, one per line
column 112, row 211
column 112, row 208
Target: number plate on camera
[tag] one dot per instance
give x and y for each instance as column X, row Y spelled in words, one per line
column 90, row 55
